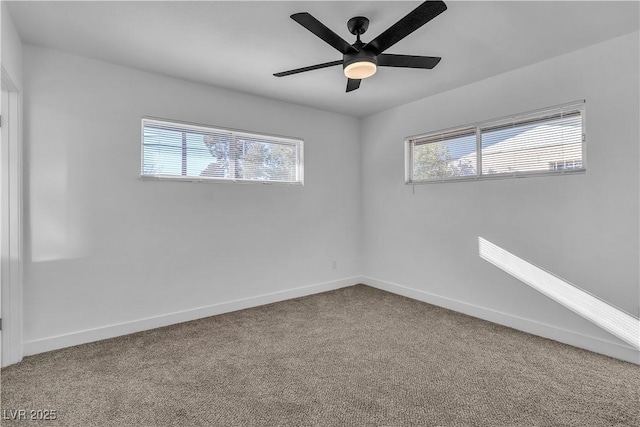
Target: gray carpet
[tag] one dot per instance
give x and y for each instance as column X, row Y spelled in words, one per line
column 352, row 357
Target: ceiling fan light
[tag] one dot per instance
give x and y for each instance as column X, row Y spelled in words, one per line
column 360, row 70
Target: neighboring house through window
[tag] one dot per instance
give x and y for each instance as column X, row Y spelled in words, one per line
column 540, row 142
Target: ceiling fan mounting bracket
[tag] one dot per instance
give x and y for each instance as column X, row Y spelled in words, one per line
column 358, row 25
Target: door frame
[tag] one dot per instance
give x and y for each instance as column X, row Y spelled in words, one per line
column 11, row 224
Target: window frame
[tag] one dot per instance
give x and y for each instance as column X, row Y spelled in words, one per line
column 297, row 142
column 570, row 107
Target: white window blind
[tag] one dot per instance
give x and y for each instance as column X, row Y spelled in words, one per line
column 444, row 155
column 548, row 141
column 186, row 151
column 540, row 142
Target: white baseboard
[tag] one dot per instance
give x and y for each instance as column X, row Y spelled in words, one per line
column 125, row 328
column 597, row 345
column 618, row 351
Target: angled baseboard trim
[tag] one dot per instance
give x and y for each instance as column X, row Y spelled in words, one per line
column 111, row 331
column 597, row 345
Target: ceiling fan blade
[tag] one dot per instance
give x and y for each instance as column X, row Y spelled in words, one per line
column 408, row 61
column 320, row 30
column 309, row 68
column 407, row 25
column 353, row 84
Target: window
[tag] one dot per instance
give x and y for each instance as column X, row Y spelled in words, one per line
column 200, row 153
column 549, row 141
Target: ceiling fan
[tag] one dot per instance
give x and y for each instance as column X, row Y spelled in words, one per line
column 360, row 60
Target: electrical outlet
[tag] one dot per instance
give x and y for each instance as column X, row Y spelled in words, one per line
column 334, row 264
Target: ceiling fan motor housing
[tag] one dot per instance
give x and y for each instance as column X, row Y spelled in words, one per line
column 360, row 56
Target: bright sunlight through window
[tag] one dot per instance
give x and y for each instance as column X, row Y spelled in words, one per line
column 610, row 318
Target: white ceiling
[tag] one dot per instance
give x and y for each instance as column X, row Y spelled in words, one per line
column 239, row 45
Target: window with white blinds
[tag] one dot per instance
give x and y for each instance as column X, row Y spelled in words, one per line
column 548, row 141
column 177, row 150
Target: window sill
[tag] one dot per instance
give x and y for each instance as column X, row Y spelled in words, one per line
column 216, row 180
column 498, row 177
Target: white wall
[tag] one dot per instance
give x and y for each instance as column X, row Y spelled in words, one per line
column 583, row 228
column 107, row 251
column 105, row 247
column 11, row 48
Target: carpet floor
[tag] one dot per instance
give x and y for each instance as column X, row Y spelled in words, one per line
column 356, row 356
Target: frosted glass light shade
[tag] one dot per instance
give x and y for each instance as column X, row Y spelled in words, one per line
column 360, row 70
